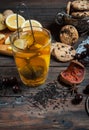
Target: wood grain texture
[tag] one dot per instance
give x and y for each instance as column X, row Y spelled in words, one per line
column 16, row 110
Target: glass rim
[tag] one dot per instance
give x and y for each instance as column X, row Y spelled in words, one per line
column 21, row 30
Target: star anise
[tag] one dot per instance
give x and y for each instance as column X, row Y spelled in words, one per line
column 73, row 89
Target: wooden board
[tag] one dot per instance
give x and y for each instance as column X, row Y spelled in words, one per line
column 4, row 49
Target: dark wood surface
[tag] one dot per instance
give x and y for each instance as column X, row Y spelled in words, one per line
column 16, row 112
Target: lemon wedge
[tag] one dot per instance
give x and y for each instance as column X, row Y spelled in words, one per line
column 20, row 43
column 7, row 41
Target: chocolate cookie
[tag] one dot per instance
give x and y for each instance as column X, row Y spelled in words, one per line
column 69, row 35
column 63, row 52
column 80, row 14
column 80, row 5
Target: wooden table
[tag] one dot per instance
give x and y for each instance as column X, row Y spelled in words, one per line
column 16, row 112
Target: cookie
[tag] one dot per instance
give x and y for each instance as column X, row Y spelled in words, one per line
column 68, row 7
column 80, row 5
column 80, row 14
column 63, row 52
column 69, row 35
column 53, row 45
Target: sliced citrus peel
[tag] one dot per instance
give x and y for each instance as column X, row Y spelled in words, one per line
column 74, row 74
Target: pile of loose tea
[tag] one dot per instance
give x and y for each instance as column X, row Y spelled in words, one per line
column 49, row 95
column 55, row 95
column 42, row 97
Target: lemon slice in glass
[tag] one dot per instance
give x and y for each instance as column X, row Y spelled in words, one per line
column 20, row 43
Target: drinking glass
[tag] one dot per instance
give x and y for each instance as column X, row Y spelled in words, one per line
column 31, row 50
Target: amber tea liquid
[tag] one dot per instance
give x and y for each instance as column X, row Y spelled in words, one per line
column 32, row 56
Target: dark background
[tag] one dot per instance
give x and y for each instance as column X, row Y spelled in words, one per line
column 38, row 10
column 12, row 3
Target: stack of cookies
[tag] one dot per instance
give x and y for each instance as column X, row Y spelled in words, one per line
column 78, row 8
column 64, row 51
column 69, row 33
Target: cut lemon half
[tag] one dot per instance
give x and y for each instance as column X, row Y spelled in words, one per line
column 11, row 21
column 35, row 24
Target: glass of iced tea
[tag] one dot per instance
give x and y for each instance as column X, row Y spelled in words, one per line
column 31, row 50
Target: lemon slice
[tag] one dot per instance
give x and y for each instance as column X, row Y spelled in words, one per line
column 35, row 24
column 11, row 21
column 20, row 43
column 7, row 41
column 2, row 36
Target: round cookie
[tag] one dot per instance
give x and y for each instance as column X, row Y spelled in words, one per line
column 53, row 45
column 63, row 52
column 80, row 5
column 69, row 35
column 81, row 14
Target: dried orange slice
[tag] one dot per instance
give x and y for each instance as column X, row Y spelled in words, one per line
column 11, row 21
